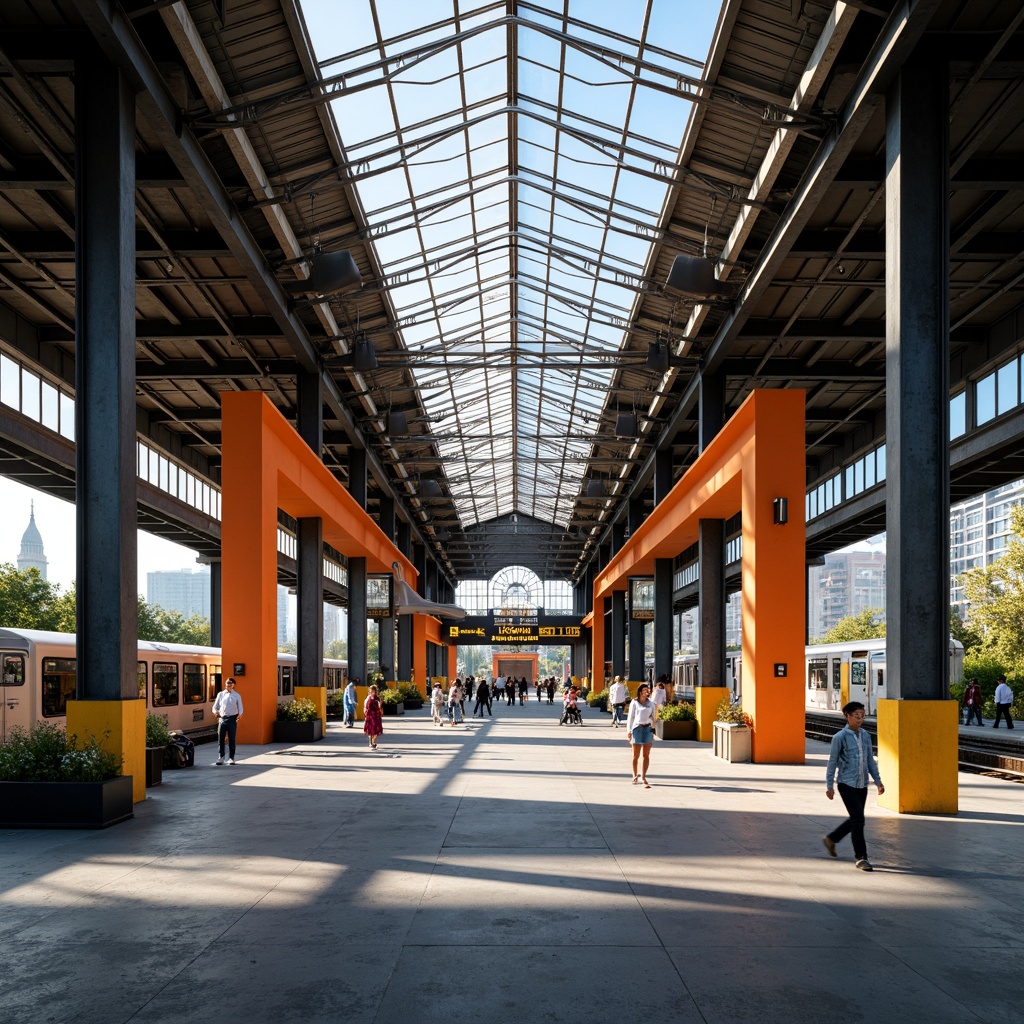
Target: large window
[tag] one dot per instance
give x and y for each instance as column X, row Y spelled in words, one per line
column 14, row 670
column 195, row 683
column 165, row 684
column 59, row 675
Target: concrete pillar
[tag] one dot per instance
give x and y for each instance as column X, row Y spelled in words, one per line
column 105, row 485
column 662, row 474
column 386, row 627
column 663, row 652
column 921, row 776
column 216, row 576
column 357, row 619
column 310, row 602
column 618, row 633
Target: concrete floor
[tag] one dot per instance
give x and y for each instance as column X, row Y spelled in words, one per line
column 508, row 872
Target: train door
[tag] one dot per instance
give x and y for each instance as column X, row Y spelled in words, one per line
column 835, row 701
column 817, row 683
column 13, row 693
column 876, row 682
column 859, row 679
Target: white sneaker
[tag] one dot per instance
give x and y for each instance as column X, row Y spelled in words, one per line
column 220, row 760
column 231, row 760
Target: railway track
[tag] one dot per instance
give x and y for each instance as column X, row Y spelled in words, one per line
column 981, row 753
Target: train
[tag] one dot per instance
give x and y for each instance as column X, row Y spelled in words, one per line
column 38, row 671
column 834, row 674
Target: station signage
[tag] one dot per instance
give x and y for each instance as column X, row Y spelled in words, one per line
column 514, row 629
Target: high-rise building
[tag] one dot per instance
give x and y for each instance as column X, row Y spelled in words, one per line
column 31, row 555
column 979, row 530
column 181, row 590
column 850, row 582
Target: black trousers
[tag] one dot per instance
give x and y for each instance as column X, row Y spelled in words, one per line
column 854, row 799
column 972, row 711
column 1001, row 710
column 482, row 704
column 227, row 726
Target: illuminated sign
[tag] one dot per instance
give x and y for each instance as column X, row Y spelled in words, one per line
column 514, row 629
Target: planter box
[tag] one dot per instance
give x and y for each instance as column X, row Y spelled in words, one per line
column 65, row 804
column 299, row 732
column 394, row 709
column 154, row 766
column 413, row 704
column 681, row 730
column 732, row 742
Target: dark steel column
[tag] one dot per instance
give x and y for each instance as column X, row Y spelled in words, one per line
column 310, row 542
column 711, row 596
column 386, row 627
column 105, row 486
column 357, row 619
column 403, row 667
column 618, row 536
column 917, row 379
column 636, row 648
column 662, row 474
column 635, row 515
column 711, row 600
column 310, row 601
column 216, row 576
column 357, row 475
column 617, row 651
column 663, row 617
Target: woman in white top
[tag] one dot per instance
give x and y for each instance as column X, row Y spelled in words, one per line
column 455, row 704
column 640, row 730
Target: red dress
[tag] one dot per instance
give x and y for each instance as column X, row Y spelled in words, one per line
column 372, row 724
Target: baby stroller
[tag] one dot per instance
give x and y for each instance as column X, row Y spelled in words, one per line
column 570, row 715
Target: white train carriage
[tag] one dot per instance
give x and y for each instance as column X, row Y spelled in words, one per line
column 38, row 675
column 686, row 674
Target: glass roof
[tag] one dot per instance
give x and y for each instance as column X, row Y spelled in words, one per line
column 512, row 162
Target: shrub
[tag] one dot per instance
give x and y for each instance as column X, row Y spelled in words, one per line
column 408, row 691
column 986, row 669
column 390, row 696
column 598, row 697
column 732, row 713
column 157, row 733
column 682, row 712
column 302, row 709
column 336, row 703
column 46, row 754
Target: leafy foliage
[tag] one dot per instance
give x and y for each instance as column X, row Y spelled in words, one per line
column 995, row 595
column 302, row 709
column 157, row 733
column 595, row 697
column 729, row 712
column 962, row 631
column 390, row 696
column 47, row 754
column 681, row 712
column 27, row 601
column 867, row 625
column 171, row 627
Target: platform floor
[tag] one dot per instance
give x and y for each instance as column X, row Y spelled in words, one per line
column 509, row 872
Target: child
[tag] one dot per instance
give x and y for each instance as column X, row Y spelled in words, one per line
column 436, row 703
column 851, row 754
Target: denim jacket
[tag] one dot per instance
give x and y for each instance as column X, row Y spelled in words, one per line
column 851, row 754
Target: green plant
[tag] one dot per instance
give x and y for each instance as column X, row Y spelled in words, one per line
column 595, row 699
column 46, row 754
column 408, row 691
column 336, row 703
column 729, row 712
column 157, row 733
column 302, row 709
column 390, row 696
column 682, row 712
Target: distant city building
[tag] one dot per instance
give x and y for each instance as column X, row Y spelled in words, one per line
column 31, row 555
column 181, row 590
column 847, row 584
column 332, row 623
column 282, row 615
column 979, row 530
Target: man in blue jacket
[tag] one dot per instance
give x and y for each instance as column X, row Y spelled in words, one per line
column 851, row 755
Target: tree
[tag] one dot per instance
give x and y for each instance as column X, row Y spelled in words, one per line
column 27, row 601
column 995, row 596
column 868, row 625
column 960, row 630
column 171, row 627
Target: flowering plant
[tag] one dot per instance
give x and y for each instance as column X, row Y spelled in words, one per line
column 47, row 754
column 302, row 709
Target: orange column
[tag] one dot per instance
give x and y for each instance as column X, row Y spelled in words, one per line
column 453, row 661
column 597, row 646
column 773, row 581
column 249, row 566
column 419, row 650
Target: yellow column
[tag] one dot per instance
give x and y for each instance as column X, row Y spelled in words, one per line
column 120, row 727
column 917, row 755
column 708, row 699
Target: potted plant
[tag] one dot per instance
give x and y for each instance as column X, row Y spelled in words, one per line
column 50, row 780
column 732, row 732
column 598, row 699
column 391, row 702
column 336, row 704
column 158, row 735
column 298, row 722
column 676, row 722
column 411, row 697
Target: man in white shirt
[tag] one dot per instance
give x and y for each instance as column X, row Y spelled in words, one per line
column 227, row 709
column 617, row 697
column 1003, row 698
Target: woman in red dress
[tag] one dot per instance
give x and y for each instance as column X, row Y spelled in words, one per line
column 372, row 712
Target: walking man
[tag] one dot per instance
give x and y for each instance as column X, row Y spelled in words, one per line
column 851, row 755
column 483, row 699
column 1004, row 698
column 617, row 697
column 227, row 709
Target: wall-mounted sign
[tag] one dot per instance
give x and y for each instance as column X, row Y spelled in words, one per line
column 641, row 598
column 378, row 597
column 514, row 629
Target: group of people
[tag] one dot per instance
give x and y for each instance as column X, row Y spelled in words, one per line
column 974, row 700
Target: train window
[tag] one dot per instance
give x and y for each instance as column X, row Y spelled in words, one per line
column 837, row 673
column 194, row 678
column 215, row 685
column 858, row 673
column 817, row 674
column 58, row 685
column 284, row 681
column 143, row 680
column 14, row 670
column 165, row 684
